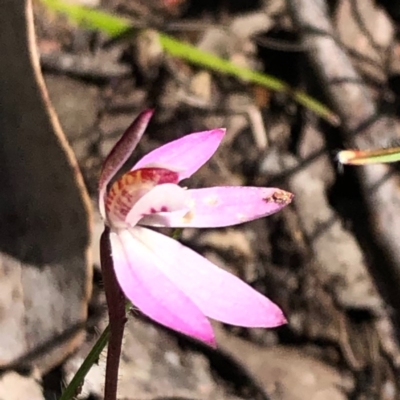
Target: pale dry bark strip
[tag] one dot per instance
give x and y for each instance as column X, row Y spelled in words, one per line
column 44, row 211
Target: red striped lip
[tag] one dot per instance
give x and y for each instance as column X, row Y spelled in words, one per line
column 127, row 190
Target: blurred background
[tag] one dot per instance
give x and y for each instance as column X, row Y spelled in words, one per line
column 331, row 259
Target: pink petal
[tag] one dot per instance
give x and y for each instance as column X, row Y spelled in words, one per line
column 185, row 155
column 224, row 206
column 121, row 152
column 219, row 294
column 166, row 197
column 141, row 280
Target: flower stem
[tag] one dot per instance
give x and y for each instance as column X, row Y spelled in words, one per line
column 116, row 313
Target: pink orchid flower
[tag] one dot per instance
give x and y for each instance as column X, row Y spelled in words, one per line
column 165, row 280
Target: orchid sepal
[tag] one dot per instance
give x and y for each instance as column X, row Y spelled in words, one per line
column 121, row 152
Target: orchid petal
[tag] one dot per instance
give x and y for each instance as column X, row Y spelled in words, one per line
column 166, row 197
column 223, row 206
column 121, row 152
column 185, row 155
column 219, row 294
column 142, row 281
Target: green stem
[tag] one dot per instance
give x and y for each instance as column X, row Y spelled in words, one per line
column 72, row 390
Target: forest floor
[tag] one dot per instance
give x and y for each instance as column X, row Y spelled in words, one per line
column 322, row 259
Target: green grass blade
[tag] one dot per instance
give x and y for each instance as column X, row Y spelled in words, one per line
column 210, row 61
column 72, row 389
column 362, row 157
column 115, row 26
column 90, row 18
column 70, row 392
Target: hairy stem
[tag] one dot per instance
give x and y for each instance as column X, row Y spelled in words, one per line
column 117, row 316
